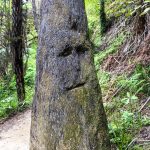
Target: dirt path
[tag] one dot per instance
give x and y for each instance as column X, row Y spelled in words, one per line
column 14, row 133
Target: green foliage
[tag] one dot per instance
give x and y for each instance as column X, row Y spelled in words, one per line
column 30, row 72
column 114, row 46
column 92, row 10
column 145, row 77
column 126, row 8
column 132, row 84
column 124, row 118
column 100, row 18
column 119, row 8
column 104, row 78
column 123, row 128
column 8, row 98
column 8, row 106
column 138, row 83
column 122, row 109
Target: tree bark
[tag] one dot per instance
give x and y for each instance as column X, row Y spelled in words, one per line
column 35, row 14
column 17, row 45
column 103, row 21
column 140, row 20
column 67, row 111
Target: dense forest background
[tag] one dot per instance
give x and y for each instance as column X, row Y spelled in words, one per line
column 120, row 34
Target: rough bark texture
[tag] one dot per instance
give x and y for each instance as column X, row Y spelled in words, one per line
column 67, row 112
column 17, row 47
column 36, row 12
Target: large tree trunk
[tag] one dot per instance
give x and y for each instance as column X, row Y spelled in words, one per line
column 17, row 45
column 36, row 13
column 68, row 112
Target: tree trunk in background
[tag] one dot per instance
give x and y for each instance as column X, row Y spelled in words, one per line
column 102, row 17
column 140, row 20
column 17, row 47
column 68, row 112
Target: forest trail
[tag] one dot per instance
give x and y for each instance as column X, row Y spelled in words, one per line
column 15, row 132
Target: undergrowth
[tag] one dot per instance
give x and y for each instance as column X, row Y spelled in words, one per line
column 122, row 95
column 9, row 104
column 92, row 9
column 114, row 47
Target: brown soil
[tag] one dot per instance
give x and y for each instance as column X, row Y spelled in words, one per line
column 122, row 61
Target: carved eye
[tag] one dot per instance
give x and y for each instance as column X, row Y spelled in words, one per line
column 74, row 26
column 81, row 49
column 67, row 51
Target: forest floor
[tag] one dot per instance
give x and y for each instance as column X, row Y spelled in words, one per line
column 15, row 132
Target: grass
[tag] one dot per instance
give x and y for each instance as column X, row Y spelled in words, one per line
column 92, row 10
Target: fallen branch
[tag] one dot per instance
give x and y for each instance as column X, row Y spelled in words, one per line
column 142, row 107
column 141, row 141
column 131, row 143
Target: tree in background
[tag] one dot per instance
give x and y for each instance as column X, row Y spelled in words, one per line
column 140, row 19
column 17, row 46
column 67, row 111
column 102, row 17
column 5, row 34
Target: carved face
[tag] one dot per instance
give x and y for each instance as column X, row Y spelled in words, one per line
column 63, row 53
column 66, row 58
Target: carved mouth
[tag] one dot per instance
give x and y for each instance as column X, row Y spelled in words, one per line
column 76, row 86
